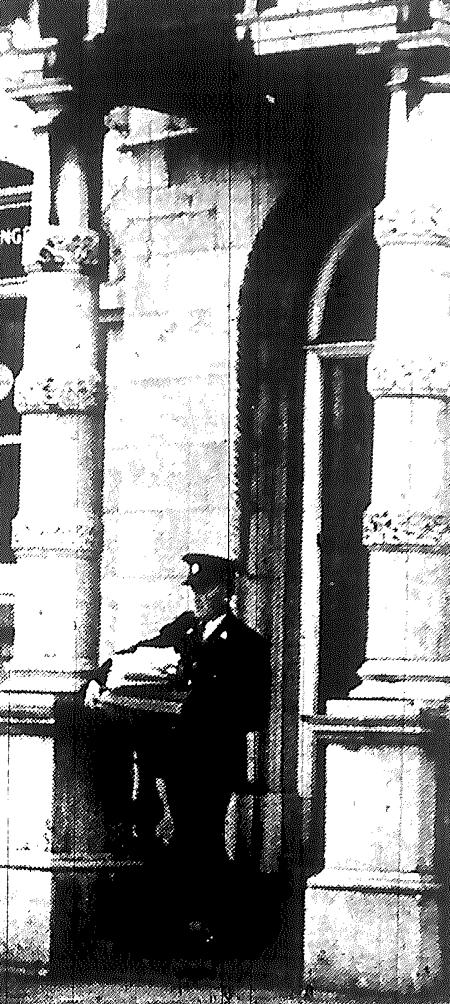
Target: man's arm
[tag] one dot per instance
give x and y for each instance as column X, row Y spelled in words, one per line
column 172, row 635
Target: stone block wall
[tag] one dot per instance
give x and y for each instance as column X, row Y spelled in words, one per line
column 185, row 229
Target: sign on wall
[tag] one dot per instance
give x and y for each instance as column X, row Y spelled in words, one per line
column 13, row 222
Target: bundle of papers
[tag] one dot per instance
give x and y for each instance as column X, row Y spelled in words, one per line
column 146, row 662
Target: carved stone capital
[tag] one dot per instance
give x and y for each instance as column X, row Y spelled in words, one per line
column 423, row 224
column 25, row 57
column 56, row 251
column 84, row 537
column 60, row 393
column 407, row 531
column 425, row 376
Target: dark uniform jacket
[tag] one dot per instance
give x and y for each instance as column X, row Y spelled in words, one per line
column 228, row 696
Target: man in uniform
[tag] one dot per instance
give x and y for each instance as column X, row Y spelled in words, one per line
column 227, row 666
column 225, row 669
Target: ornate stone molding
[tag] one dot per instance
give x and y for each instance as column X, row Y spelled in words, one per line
column 70, row 393
column 55, row 251
column 407, row 531
column 427, row 224
column 80, row 538
column 422, row 377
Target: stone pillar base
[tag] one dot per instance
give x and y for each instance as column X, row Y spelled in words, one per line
column 25, row 907
column 372, row 932
column 375, row 916
column 63, row 897
column 92, row 919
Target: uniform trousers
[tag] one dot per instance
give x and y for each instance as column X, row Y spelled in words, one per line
column 202, row 868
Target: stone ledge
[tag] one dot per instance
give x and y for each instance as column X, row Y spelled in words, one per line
column 348, row 729
column 29, row 861
column 82, row 538
column 411, row 669
column 144, row 993
column 349, row 878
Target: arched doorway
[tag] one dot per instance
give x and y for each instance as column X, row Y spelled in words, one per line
column 341, row 330
column 304, row 465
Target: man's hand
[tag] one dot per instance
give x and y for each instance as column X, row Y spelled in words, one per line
column 93, row 694
column 165, row 829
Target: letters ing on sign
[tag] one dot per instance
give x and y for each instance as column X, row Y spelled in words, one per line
column 13, row 223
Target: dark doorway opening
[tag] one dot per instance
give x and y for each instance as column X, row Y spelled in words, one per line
column 346, row 476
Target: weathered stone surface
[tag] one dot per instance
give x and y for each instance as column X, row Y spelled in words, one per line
column 409, row 224
column 25, row 898
column 142, row 607
column 150, row 542
column 35, row 393
column 387, row 798
column 371, row 941
column 425, row 530
column 26, row 766
column 409, row 606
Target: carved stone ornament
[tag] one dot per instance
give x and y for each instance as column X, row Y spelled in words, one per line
column 405, row 531
column 80, row 538
column 25, row 57
column 427, row 224
column 55, row 251
column 394, row 375
column 38, row 394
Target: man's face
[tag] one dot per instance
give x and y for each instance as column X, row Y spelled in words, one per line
column 210, row 605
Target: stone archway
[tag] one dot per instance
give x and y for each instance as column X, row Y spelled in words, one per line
column 283, row 276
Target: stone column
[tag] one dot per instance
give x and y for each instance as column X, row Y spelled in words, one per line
column 375, row 915
column 53, row 835
column 58, row 531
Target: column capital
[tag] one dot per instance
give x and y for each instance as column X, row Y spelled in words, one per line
column 411, row 224
column 38, row 393
column 147, row 127
column 400, row 531
column 54, row 250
